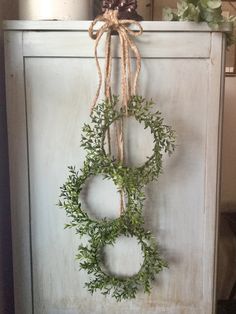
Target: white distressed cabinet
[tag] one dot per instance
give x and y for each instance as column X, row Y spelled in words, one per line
column 51, row 80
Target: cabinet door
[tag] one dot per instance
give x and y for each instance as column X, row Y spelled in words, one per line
column 181, row 208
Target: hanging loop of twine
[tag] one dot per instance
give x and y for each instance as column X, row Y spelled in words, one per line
column 127, row 44
column 128, row 83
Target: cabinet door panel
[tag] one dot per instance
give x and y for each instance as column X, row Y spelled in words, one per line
column 59, row 92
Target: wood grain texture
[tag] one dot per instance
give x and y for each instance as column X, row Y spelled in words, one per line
column 8, row 10
column 19, row 179
column 148, row 26
column 181, row 209
column 213, row 159
column 152, row 45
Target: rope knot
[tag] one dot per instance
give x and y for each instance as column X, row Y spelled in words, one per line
column 111, row 18
column 112, row 23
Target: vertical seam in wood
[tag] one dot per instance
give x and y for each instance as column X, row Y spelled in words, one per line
column 205, row 168
column 212, row 207
column 15, row 103
column 29, row 187
column 213, row 292
column 219, row 159
column 210, row 45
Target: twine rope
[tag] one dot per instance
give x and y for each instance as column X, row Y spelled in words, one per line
column 127, row 44
column 128, row 82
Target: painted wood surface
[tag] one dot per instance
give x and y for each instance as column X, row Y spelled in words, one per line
column 19, row 176
column 8, row 10
column 80, row 45
column 148, row 26
column 48, row 104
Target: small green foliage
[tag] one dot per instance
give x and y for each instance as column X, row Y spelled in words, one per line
column 131, row 182
column 119, row 287
column 209, row 11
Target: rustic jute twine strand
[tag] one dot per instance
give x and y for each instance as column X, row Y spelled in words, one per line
column 128, row 83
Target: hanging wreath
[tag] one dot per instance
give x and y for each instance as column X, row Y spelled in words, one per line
column 118, row 287
column 130, row 182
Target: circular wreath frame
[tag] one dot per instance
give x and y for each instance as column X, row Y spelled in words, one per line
column 94, row 137
column 71, row 191
column 121, row 288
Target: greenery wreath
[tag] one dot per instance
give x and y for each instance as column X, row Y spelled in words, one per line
column 94, row 135
column 120, row 287
column 85, row 225
column 128, row 180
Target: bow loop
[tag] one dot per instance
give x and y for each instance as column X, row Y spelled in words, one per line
column 111, row 23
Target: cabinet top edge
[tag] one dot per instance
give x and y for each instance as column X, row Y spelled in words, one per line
column 148, row 26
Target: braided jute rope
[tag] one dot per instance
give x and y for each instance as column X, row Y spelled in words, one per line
column 128, row 82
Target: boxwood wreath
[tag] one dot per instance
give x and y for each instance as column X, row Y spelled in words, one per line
column 129, row 180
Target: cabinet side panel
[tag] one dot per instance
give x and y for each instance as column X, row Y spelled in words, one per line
column 212, row 179
column 17, row 135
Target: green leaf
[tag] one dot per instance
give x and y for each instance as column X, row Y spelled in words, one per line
column 214, row 4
